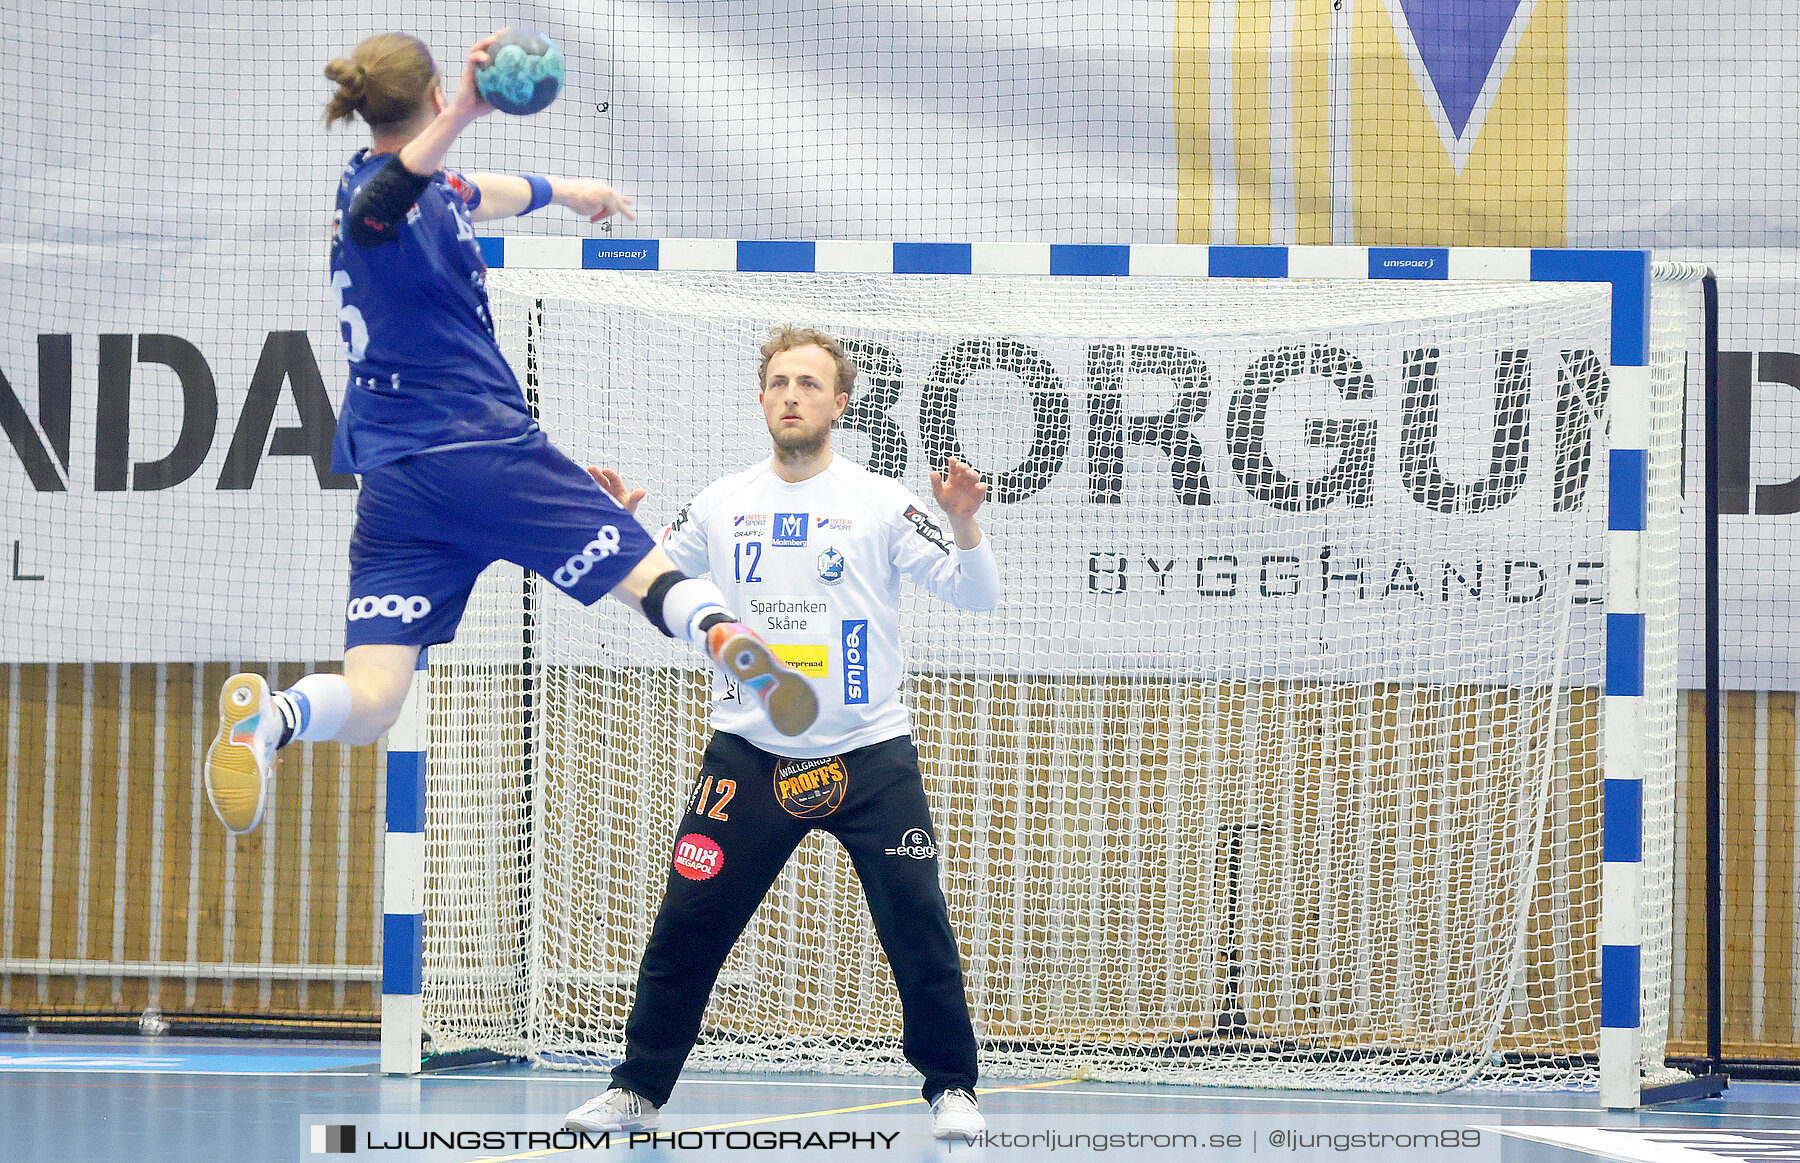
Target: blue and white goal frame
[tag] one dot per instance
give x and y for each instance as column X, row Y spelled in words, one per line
column 1627, row 272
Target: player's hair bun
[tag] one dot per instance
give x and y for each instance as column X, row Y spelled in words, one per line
column 385, row 80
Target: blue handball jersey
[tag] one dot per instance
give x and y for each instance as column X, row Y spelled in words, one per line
column 425, row 369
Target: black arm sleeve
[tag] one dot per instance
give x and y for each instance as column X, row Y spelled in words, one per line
column 380, row 206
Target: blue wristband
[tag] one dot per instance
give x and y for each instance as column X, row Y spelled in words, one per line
column 540, row 193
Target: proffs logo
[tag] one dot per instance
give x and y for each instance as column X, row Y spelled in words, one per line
column 121, row 462
column 603, row 546
column 333, row 1140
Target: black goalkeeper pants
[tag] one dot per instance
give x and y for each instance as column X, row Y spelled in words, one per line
column 748, row 812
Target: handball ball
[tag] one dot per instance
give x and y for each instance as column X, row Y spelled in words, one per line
column 523, row 74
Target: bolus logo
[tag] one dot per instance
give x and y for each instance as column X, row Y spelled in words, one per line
column 856, row 660
column 407, row 609
column 697, row 857
column 603, row 546
column 790, row 530
column 917, row 843
column 333, row 1140
column 831, row 567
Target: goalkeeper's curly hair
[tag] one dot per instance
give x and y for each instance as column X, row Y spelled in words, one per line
column 787, row 338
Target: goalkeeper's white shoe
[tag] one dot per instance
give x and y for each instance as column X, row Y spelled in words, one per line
column 241, row 761
column 616, row 1110
column 954, row 1115
column 786, row 696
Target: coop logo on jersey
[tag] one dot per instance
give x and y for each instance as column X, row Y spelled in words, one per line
column 697, row 857
column 917, row 843
column 856, row 661
column 407, row 609
column 810, row 788
column 790, row 530
column 603, row 546
column 831, row 567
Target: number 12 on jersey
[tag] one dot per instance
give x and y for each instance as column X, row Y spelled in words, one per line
column 745, row 557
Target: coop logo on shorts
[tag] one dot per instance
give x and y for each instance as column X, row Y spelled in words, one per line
column 697, row 857
column 407, row 609
column 603, row 546
column 790, row 530
column 916, row 843
column 831, row 567
column 856, row 660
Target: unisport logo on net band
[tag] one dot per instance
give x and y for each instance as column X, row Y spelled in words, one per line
column 603, row 546
column 407, row 609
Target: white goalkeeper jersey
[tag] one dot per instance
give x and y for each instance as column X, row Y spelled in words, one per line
column 815, row 568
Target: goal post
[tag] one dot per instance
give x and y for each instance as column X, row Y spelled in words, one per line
column 1325, row 736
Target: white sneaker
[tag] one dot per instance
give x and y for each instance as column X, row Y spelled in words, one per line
column 954, row 1115
column 616, row 1110
column 241, row 760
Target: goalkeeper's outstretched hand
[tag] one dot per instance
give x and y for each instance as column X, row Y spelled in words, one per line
column 959, row 490
column 614, row 484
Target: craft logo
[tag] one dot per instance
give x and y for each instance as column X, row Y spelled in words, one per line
column 697, row 857
column 917, row 843
column 810, row 788
column 856, row 661
column 333, row 1140
column 790, row 530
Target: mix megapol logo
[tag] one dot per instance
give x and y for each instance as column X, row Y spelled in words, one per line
column 698, row 857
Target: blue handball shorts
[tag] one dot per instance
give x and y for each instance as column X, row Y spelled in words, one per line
column 428, row 524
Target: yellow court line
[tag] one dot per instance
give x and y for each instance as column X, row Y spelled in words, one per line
column 842, row 1110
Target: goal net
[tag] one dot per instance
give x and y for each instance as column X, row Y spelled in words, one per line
column 1279, row 763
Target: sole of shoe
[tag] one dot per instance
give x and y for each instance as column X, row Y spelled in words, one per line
column 653, row 1123
column 235, row 786
column 784, row 691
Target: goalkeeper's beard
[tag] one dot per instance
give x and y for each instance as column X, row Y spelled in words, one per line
column 800, row 446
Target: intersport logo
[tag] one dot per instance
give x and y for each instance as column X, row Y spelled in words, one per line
column 603, row 546
column 407, row 609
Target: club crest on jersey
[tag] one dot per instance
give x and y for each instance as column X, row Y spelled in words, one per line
column 810, row 788
column 831, row 567
column 927, row 528
column 790, row 531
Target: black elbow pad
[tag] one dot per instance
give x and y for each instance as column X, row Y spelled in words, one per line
column 380, row 207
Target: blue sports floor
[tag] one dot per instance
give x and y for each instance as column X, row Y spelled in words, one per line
column 68, row 1098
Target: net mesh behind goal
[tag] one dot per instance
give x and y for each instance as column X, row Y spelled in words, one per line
column 1279, row 763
